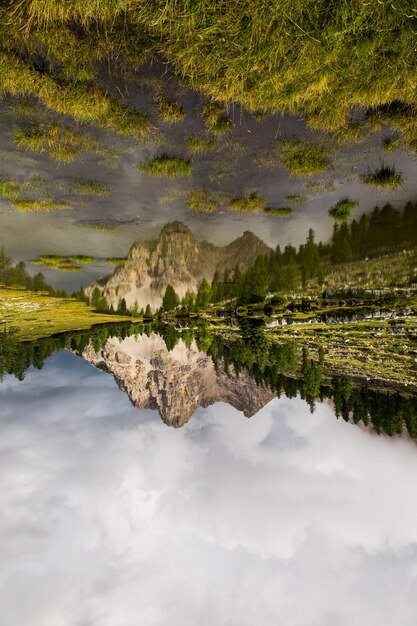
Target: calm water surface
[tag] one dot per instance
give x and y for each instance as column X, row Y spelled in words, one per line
column 110, row 517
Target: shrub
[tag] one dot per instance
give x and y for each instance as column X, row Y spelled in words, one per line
column 166, row 165
column 341, row 210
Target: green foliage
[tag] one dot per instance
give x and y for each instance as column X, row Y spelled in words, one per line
column 170, row 300
column 280, row 211
column 166, row 165
column 303, row 158
column 202, row 201
column 249, row 203
column 342, row 209
column 200, row 144
column 384, row 176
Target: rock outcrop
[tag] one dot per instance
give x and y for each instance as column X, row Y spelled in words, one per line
column 176, row 258
column 174, row 383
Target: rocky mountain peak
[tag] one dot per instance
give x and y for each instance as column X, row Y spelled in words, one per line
column 175, row 258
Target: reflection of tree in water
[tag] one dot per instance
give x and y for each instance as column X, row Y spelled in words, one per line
column 278, row 366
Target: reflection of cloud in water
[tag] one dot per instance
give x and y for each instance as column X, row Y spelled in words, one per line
column 116, row 520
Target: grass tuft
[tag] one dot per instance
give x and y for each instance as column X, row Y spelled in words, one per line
column 200, row 144
column 303, row 158
column 216, row 119
column 170, row 110
column 385, row 176
column 202, row 201
column 166, row 165
column 61, row 143
column 250, row 203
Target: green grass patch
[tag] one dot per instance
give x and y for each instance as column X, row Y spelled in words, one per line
column 303, row 158
column 342, row 209
column 280, row 211
column 62, row 143
column 384, row 176
column 200, row 144
column 33, row 315
column 249, row 203
column 166, row 165
column 83, row 259
column 57, row 262
column 202, row 201
column 34, row 205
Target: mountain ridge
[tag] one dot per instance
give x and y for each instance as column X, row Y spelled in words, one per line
column 177, row 258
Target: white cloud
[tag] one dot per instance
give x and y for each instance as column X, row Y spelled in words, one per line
column 110, row 518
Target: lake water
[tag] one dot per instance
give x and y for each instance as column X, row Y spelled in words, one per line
column 110, row 517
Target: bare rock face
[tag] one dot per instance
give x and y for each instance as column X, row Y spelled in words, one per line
column 174, row 383
column 176, row 258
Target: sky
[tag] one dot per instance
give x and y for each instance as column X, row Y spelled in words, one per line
column 108, row 517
